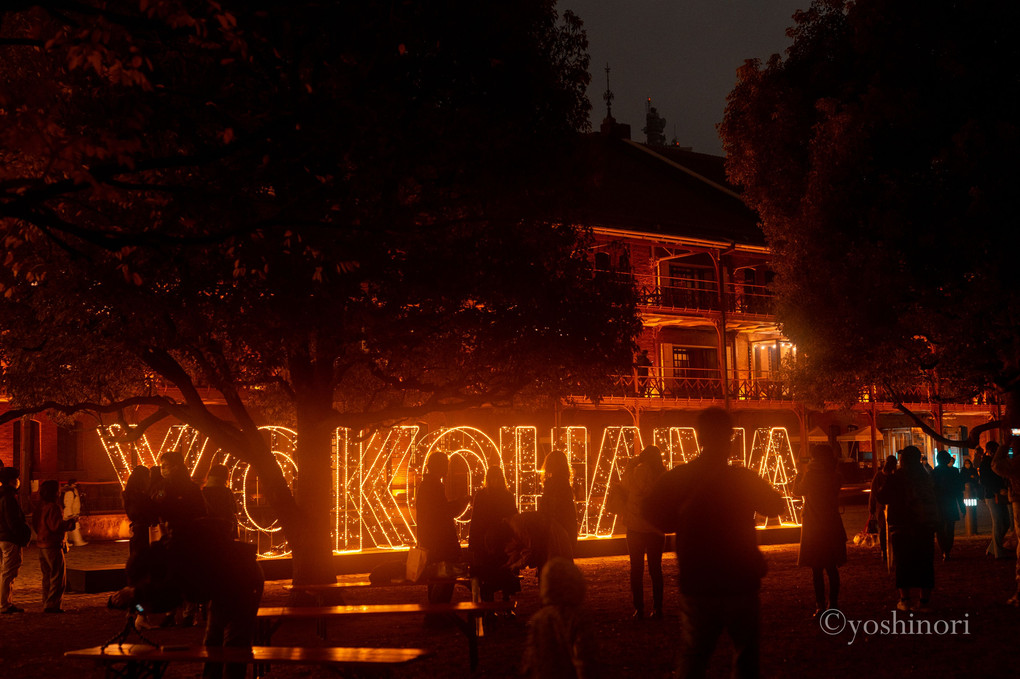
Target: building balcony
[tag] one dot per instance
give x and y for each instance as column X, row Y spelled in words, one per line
column 698, row 296
column 665, row 387
column 698, row 385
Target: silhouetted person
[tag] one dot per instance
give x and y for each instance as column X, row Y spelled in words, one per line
column 560, row 645
column 643, row 539
column 437, row 528
column 909, row 496
column 178, row 503
column 50, row 527
column 996, row 499
column 877, row 508
column 971, row 491
column 643, row 367
column 15, row 534
column 177, row 499
column 198, row 565
column 557, row 499
column 220, row 503
column 1009, row 468
column 711, row 507
column 822, row 535
column 141, row 514
column 949, row 496
column 486, row 538
column 532, row 539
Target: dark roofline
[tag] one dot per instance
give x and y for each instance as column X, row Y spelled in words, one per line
column 672, row 163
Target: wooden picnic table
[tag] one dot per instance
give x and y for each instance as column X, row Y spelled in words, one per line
column 270, row 618
column 143, row 661
column 334, row 591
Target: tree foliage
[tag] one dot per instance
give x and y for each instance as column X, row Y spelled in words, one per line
column 341, row 212
column 881, row 155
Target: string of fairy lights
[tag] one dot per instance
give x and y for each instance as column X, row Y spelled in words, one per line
column 375, row 476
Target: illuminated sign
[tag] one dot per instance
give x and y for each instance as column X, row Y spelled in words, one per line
column 376, row 476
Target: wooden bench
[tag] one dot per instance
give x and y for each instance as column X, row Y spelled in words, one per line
column 333, row 592
column 270, row 618
column 142, row 661
column 93, row 579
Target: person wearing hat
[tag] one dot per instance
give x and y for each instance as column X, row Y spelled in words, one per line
column 14, row 535
column 949, row 496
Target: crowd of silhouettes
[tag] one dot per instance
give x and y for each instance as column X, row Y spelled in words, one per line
column 184, row 550
column 196, row 563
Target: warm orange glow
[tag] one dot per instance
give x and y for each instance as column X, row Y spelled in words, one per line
column 375, row 476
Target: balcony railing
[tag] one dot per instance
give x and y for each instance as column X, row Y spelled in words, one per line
column 705, row 384
column 700, row 384
column 694, row 294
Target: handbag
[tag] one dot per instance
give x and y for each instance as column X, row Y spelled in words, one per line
column 417, row 560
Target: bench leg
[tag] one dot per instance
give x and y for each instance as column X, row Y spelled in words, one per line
column 320, row 628
column 470, row 630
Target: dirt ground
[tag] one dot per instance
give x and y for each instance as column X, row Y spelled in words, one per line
column 971, row 590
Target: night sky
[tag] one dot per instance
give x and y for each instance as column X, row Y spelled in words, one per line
column 681, row 53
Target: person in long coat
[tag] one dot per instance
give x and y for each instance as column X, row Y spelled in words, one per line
column 909, row 495
column 643, row 539
column 492, row 505
column 557, row 500
column 949, row 496
column 822, row 535
column 436, row 519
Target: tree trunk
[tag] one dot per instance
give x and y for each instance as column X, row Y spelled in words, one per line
column 313, row 551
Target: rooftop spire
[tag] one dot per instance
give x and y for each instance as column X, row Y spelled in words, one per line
column 609, row 126
column 608, row 96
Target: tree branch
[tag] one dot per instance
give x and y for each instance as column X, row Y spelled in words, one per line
column 972, row 441
column 160, row 402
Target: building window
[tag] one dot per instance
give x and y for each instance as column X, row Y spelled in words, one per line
column 690, row 287
column 695, row 361
column 69, row 445
column 767, row 358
